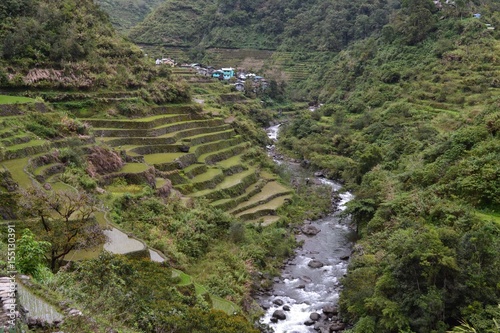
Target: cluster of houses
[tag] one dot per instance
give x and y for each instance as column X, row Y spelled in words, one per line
column 439, row 4
column 236, row 78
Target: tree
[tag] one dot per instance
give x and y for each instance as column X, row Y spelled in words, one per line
column 31, row 254
column 62, row 218
column 416, row 20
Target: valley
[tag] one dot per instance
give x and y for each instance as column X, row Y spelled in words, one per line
column 141, row 197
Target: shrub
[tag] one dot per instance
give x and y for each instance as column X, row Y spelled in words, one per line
column 71, row 156
column 42, row 131
column 237, row 232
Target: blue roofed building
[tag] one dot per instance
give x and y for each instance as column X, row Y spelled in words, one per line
column 228, row 73
column 218, row 74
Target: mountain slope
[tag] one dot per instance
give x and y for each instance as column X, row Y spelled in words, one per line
column 411, row 122
column 174, row 22
column 125, row 14
column 263, row 24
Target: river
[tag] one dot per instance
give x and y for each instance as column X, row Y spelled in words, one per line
column 303, row 289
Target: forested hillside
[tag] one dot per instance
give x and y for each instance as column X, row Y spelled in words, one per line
column 95, row 138
column 263, row 24
column 411, row 124
column 125, row 14
column 71, row 45
column 44, row 31
column 408, row 117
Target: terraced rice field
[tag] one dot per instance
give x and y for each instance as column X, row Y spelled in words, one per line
column 199, row 154
column 4, row 99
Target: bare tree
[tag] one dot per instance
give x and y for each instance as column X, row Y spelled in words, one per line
column 65, row 219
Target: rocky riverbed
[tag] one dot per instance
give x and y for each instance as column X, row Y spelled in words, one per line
column 304, row 298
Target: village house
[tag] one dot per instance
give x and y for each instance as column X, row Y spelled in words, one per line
column 166, row 61
column 218, row 74
column 239, row 86
column 228, row 73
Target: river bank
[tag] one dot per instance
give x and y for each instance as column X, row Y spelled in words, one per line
column 304, row 298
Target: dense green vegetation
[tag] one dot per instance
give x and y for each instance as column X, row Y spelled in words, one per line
column 15, row 99
column 139, row 296
column 263, row 24
column 56, row 31
column 71, row 45
column 54, row 176
column 124, row 14
column 411, row 125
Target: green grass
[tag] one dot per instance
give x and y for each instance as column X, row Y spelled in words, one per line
column 129, row 188
column 203, row 157
column 230, row 162
column 267, row 175
column 228, row 182
column 4, row 99
column 135, row 120
column 41, row 170
column 16, row 168
column 162, row 157
column 32, row 143
column 272, row 205
column 60, row 186
column 269, row 190
column 160, row 182
column 488, row 216
column 249, row 191
column 228, row 307
column 184, row 278
column 210, row 174
column 266, row 220
column 235, row 179
column 218, row 303
column 134, row 168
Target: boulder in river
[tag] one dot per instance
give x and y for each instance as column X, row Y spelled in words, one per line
column 310, row 230
column 278, row 302
column 321, row 327
column 330, row 310
column 286, row 307
column 279, row 314
column 315, row 316
column 309, row 322
column 319, row 174
column 315, row 264
column 337, row 327
column 306, row 279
